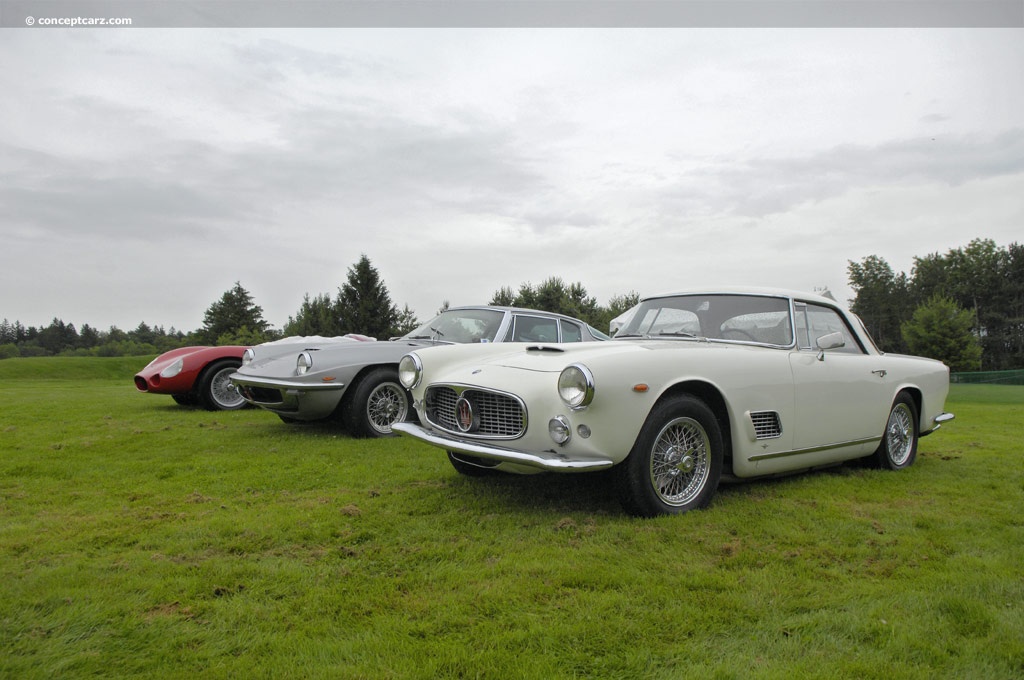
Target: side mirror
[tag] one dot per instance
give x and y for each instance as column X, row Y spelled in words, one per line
column 829, row 341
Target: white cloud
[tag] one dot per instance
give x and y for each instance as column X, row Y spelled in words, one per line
column 143, row 172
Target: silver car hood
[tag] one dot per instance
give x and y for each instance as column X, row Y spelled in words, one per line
column 330, row 356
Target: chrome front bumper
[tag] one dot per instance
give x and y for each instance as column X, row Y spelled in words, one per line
column 937, row 422
column 291, row 398
column 547, row 460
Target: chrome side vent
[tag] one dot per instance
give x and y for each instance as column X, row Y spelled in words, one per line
column 767, row 424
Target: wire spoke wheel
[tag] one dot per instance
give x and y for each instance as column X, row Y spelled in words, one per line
column 374, row 403
column 899, row 434
column 216, row 392
column 898, row 448
column 386, row 405
column 680, row 462
column 676, row 462
column 223, row 392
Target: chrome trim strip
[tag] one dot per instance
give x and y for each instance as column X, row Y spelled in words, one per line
column 815, row 449
column 551, row 460
column 271, row 383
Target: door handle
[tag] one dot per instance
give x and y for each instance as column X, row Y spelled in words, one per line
column 881, row 373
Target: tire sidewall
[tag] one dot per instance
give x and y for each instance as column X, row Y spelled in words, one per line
column 356, row 410
column 636, row 489
column 205, row 393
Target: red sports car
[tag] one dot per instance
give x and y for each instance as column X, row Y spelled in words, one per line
column 195, row 376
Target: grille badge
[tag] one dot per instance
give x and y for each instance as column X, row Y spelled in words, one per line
column 464, row 414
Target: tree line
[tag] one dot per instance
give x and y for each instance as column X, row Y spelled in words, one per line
column 965, row 307
column 361, row 305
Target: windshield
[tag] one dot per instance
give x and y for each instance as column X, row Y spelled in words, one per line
column 460, row 325
column 743, row 318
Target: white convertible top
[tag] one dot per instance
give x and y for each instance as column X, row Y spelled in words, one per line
column 320, row 339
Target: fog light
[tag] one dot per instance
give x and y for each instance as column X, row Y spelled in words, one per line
column 558, row 428
column 583, row 431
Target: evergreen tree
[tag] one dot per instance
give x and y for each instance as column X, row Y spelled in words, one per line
column 553, row 295
column 234, row 311
column 317, row 316
column 882, row 300
column 57, row 337
column 981, row 278
column 503, row 297
column 364, row 305
column 406, row 321
column 88, row 337
column 143, row 333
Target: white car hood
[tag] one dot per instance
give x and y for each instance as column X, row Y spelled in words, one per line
column 554, row 358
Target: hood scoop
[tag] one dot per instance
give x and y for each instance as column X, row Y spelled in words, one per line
column 544, row 348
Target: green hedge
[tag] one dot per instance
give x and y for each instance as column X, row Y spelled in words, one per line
column 990, row 377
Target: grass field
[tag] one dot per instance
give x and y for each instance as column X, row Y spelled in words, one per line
column 141, row 539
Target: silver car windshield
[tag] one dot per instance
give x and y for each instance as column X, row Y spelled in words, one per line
column 741, row 318
column 460, row 326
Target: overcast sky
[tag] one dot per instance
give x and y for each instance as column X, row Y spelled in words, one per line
column 144, row 171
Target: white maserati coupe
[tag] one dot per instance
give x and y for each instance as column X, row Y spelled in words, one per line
column 695, row 387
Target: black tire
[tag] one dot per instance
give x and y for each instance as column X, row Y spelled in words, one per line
column 471, row 466
column 216, row 393
column 676, row 462
column 898, row 449
column 186, row 399
column 375, row 403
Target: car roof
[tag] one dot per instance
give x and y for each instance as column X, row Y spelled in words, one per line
column 820, row 298
column 518, row 310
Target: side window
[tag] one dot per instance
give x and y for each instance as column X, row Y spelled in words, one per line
column 814, row 321
column 534, row 329
column 768, row 327
column 571, row 332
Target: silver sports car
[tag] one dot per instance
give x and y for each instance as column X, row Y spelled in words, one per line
column 356, row 384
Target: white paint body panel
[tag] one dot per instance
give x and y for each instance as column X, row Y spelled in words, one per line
column 830, row 410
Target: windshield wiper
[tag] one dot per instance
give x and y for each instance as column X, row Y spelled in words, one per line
column 678, row 334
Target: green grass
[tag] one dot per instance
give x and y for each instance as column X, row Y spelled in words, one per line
column 141, row 539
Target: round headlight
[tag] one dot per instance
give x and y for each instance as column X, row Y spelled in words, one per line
column 303, row 363
column 173, row 370
column 410, row 370
column 247, row 356
column 576, row 386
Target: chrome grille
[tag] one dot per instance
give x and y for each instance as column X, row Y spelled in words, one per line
column 261, row 395
column 496, row 415
column 767, row 424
